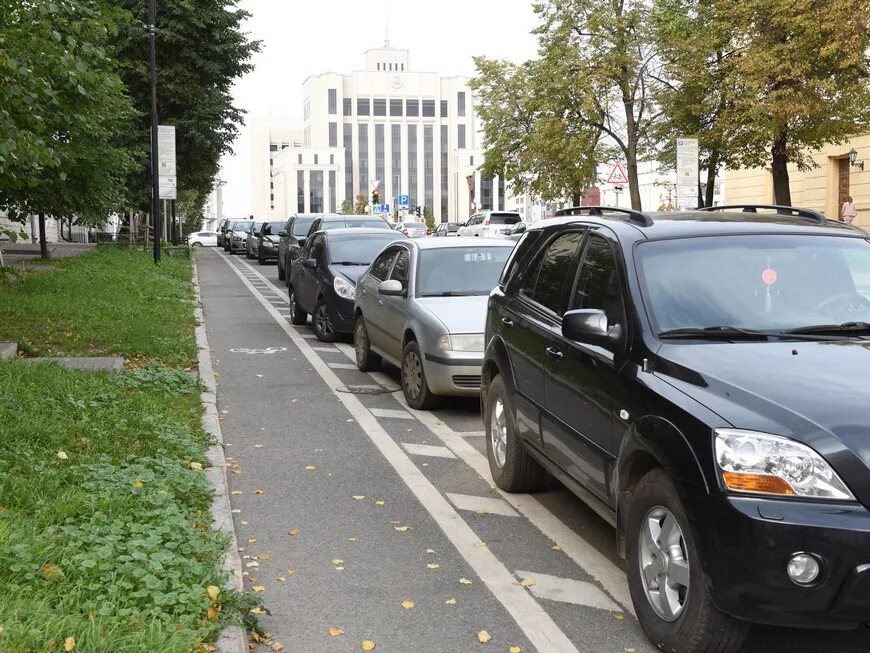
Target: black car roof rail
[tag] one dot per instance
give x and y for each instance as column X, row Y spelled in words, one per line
column 633, row 216
column 793, row 211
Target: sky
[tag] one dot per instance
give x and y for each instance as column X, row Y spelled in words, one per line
column 307, row 37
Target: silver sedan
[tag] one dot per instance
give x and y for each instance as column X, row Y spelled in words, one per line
column 421, row 305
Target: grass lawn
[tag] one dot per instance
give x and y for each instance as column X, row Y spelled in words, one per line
column 110, row 301
column 104, row 525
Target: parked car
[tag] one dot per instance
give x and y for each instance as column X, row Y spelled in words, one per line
column 251, row 234
column 692, row 377
column 335, row 221
column 446, row 229
column 221, row 232
column 516, row 231
column 237, row 236
column 489, row 224
column 421, row 306
column 323, row 277
column 202, row 239
column 267, row 241
column 292, row 241
column 227, row 231
column 412, row 229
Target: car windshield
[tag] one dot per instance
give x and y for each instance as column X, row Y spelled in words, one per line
column 241, row 226
column 767, row 282
column 358, row 250
column 256, row 227
column 301, row 226
column 454, row 271
column 272, row 228
column 376, row 223
column 504, row 218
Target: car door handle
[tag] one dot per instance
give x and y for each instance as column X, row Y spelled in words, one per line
column 552, row 352
column 363, row 292
column 509, row 323
column 380, row 303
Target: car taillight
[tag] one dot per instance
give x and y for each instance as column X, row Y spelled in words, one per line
column 428, row 232
column 405, row 231
column 487, row 222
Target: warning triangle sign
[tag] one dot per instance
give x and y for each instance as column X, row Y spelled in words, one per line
column 617, row 175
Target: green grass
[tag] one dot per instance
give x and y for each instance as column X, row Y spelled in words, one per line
column 110, row 301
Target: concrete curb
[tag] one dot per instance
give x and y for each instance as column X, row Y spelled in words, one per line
column 233, row 639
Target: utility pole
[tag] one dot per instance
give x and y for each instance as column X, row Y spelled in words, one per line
column 155, row 180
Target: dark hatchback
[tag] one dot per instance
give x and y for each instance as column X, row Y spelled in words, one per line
column 697, row 379
column 292, row 241
column 267, row 241
column 323, row 278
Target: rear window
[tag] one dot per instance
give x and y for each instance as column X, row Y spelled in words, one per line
column 452, row 227
column 358, row 250
column 355, row 223
column 504, row 218
column 456, row 271
column 414, row 225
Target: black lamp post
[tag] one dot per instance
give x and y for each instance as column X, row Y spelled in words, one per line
column 155, row 164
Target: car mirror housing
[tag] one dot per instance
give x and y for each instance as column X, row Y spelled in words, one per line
column 391, row 288
column 282, row 233
column 590, row 326
column 310, row 263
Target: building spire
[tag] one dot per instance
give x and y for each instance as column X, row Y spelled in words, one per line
column 386, row 23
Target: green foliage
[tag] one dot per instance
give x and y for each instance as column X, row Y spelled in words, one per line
column 429, row 218
column 346, row 207
column 359, row 208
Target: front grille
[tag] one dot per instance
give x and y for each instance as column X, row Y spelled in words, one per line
column 466, row 380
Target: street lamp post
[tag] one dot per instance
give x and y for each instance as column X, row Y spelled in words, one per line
column 155, row 172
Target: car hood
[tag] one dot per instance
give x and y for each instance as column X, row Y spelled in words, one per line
column 349, row 272
column 272, row 239
column 458, row 314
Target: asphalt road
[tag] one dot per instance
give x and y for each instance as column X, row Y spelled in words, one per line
column 398, row 535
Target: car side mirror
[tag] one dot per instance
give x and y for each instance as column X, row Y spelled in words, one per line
column 310, row 263
column 391, row 288
column 300, row 242
column 282, row 233
column 590, row 326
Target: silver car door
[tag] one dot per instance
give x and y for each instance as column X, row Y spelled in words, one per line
column 394, row 310
column 372, row 301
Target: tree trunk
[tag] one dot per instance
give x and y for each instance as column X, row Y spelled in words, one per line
column 43, row 244
column 781, row 190
column 577, row 198
column 712, row 169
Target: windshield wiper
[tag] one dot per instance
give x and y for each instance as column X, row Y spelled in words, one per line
column 450, row 293
column 845, row 327
column 348, row 263
column 726, row 332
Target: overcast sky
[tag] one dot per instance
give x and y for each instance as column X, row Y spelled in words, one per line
column 306, row 37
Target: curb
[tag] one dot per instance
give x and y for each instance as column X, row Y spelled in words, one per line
column 233, row 638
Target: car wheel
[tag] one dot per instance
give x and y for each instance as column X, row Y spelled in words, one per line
column 297, row 315
column 248, row 253
column 322, row 324
column 197, row 244
column 414, row 384
column 511, row 466
column 665, row 575
column 366, row 359
column 281, row 272
column 260, row 258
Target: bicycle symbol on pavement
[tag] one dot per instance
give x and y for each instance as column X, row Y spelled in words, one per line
column 267, row 350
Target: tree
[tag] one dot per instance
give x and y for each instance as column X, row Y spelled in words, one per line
column 62, row 112
column 429, row 218
column 346, row 207
column 362, row 202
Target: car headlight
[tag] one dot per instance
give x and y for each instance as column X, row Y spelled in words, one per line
column 343, row 288
column 461, row 342
column 760, row 463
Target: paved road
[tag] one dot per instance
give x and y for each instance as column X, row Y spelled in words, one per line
column 391, row 505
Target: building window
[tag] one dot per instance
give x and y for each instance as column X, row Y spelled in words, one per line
column 471, row 160
column 391, row 66
column 443, row 171
column 460, row 104
column 412, row 164
column 460, row 137
column 362, row 106
column 379, row 153
column 396, row 157
column 403, row 66
column 379, row 65
column 428, row 166
column 412, row 108
column 346, row 106
column 332, row 159
column 380, row 107
column 315, row 159
column 395, row 107
column 363, row 158
column 300, row 158
column 428, row 108
column 300, row 191
column 273, row 147
column 348, row 161
column 316, row 191
column 501, row 192
column 443, row 108
column 485, row 193
column 332, row 101
column 333, row 134
column 332, row 206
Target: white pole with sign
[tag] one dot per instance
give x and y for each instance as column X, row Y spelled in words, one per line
column 687, row 174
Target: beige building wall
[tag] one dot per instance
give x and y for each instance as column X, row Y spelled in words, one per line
column 820, row 189
column 268, row 138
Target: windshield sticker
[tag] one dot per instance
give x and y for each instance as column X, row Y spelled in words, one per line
column 478, row 256
column 768, row 277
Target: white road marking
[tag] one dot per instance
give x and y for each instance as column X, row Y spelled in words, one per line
column 538, row 626
column 487, row 504
column 567, row 590
column 425, row 449
column 342, row 366
column 329, row 349
column 390, row 412
column 470, row 434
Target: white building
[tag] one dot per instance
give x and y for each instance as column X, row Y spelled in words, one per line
column 269, row 136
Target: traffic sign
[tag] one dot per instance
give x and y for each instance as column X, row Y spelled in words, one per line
column 404, row 200
column 385, row 208
column 376, row 209
column 617, row 175
column 167, row 187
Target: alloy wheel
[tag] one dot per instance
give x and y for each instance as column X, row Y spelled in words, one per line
column 498, row 432
column 321, row 318
column 292, row 305
column 360, row 343
column 664, row 563
column 412, row 374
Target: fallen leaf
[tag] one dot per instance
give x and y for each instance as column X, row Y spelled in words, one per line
column 258, row 588
column 258, row 446
column 464, row 581
column 294, row 401
column 339, row 568
column 335, row 632
column 629, row 650
column 264, row 556
column 515, row 649
column 260, row 376
column 527, row 582
column 407, row 604
column 251, row 540
column 277, row 647
column 432, row 565
column 236, row 492
column 295, row 531
column 359, row 496
column 213, row 592
column 379, row 502
column 258, row 611
column 483, row 637
column 480, row 511
column 137, row 484
column 619, row 617
column 236, row 471
column 253, row 564
column 195, row 465
column 430, row 551
column 50, row 570
column 290, row 571
column 61, row 455
column 282, row 579
column 351, row 539
column 235, row 511
column 479, row 545
column 217, row 374
column 338, row 561
column 259, row 491
column 401, row 529
column 350, row 420
column 310, row 467
column 69, row 643
column 450, row 601
column 557, row 548
column 368, row 645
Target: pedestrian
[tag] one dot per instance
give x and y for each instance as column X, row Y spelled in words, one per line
column 848, row 212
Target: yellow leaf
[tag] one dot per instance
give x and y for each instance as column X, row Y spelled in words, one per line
column 290, row 571
column 277, row 647
column 258, row 611
column 338, row 561
column 69, row 643
column 407, row 604
column 480, row 511
column 61, row 455
column 368, row 645
column 483, row 637
column 295, row 531
column 217, row 374
column 50, row 570
column 480, row 545
column 351, row 539
column 282, row 578
column 557, row 548
column 432, row 565
column 516, row 649
column 465, row 581
column 212, row 613
column 264, row 556
column 309, row 467
column 251, row 540
column 401, row 529
column 450, row 601
column 379, row 502
column 359, row 496
column 259, row 491
column 294, row 401
column 527, row 582
column 137, row 483
column 236, row 492
column 195, row 465
column 258, row 588
column 335, row 632
column 213, row 592
column 619, row 617
column 430, row 551
column 629, row 650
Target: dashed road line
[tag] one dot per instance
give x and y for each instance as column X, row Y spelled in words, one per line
column 425, row 449
column 390, row 412
column 481, row 504
column 566, row 590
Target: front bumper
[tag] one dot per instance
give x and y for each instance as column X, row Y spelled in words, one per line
column 746, row 544
column 340, row 313
column 455, row 373
column 237, row 245
column 268, row 250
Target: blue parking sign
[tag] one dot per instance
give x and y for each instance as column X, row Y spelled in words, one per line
column 404, row 200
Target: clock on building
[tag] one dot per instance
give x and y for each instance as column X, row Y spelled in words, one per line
column 397, row 82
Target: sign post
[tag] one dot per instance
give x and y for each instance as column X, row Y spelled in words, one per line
column 687, row 174
column 618, row 178
column 166, row 162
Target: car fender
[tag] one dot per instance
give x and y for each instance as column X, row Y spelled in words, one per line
column 496, row 361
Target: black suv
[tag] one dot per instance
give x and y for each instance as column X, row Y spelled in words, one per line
column 292, row 241
column 697, row 379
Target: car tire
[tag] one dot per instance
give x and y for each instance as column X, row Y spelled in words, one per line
column 282, row 274
column 685, row 619
column 298, row 317
column 366, row 359
column 414, row 384
column 260, row 258
column 322, row 323
column 513, row 469
column 196, row 244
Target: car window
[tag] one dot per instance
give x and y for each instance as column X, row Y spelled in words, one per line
column 548, row 288
column 452, row 227
column 598, row 281
column 241, row 226
column 400, row 269
column 358, row 250
column 316, row 249
column 381, row 267
column 271, row 228
column 301, row 227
